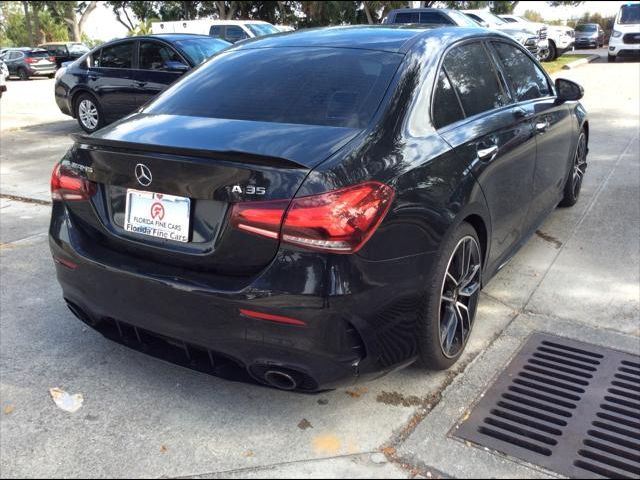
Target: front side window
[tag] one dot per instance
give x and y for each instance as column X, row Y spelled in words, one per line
column 525, row 77
column 215, row 31
column 472, row 74
column 154, row 56
column 235, row 34
column 116, row 56
column 446, row 109
column 434, row 18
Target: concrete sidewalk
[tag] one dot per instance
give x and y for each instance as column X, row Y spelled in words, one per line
column 578, row 277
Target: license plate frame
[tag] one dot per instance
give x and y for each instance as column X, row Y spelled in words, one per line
column 158, row 215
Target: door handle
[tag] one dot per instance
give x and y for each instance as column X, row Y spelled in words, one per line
column 541, row 127
column 487, row 153
column 93, row 77
column 140, row 84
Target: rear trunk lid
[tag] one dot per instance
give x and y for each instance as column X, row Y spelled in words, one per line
column 210, row 164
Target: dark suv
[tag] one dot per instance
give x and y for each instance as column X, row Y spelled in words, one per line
column 29, row 62
column 116, row 78
column 65, row 51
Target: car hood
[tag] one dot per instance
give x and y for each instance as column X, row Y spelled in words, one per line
column 509, row 30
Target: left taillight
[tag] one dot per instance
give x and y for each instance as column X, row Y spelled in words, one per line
column 339, row 221
column 68, row 186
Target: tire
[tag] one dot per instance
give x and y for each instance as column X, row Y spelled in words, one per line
column 552, row 53
column 573, row 184
column 446, row 321
column 23, row 74
column 88, row 112
column 51, row 75
column 611, row 58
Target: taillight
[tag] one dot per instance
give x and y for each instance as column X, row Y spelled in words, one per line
column 340, row 221
column 30, row 60
column 52, row 59
column 67, row 185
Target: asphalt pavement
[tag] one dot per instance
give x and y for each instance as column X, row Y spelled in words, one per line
column 579, row 277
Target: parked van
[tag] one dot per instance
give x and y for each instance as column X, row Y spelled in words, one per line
column 625, row 37
column 230, row 30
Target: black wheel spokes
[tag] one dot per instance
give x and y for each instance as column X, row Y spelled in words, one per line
column 580, row 165
column 460, row 289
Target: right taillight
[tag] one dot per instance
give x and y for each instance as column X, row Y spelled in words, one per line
column 67, row 185
column 340, row 221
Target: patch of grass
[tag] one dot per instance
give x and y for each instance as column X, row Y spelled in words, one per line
column 558, row 63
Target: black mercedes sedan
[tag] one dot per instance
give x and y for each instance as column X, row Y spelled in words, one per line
column 119, row 77
column 317, row 208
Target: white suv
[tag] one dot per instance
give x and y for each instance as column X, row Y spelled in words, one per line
column 625, row 38
column 561, row 39
column 230, row 30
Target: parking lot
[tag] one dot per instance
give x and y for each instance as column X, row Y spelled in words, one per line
column 578, row 277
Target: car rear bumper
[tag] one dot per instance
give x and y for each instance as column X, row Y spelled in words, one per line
column 41, row 72
column 359, row 316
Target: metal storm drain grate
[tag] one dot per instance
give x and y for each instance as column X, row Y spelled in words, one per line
column 568, row 406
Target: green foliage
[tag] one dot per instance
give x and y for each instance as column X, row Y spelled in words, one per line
column 533, row 16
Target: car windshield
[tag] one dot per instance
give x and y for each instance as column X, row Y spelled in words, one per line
column 462, row 20
column 260, row 29
column 333, row 87
column 493, row 19
column 200, row 49
column 630, row 14
column 38, row 53
column 80, row 48
column 586, row 28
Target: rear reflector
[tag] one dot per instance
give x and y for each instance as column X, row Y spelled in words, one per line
column 68, row 185
column 270, row 317
column 340, row 221
column 65, row 263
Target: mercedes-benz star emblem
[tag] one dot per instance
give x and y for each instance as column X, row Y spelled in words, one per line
column 143, row 174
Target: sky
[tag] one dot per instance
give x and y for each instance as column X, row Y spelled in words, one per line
column 565, row 13
column 102, row 23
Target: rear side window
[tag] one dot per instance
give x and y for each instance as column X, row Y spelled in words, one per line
column 115, row 56
column 434, row 18
column 215, row 31
column 154, row 56
column 407, row 17
column 525, row 77
column 334, row 87
column 446, row 108
column 472, row 74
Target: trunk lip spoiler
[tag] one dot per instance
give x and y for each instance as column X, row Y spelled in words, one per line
column 83, row 141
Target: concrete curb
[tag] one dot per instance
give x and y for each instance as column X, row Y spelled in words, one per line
column 581, row 61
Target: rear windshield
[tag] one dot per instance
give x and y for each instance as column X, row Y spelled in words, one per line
column 323, row 86
column 200, row 49
column 78, row 48
column 38, row 53
column 630, row 14
column 586, row 28
column 260, row 29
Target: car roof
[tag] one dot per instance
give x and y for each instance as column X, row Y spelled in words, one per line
column 169, row 37
column 389, row 37
column 422, row 9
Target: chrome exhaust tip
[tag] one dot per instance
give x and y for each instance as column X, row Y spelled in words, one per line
column 280, row 380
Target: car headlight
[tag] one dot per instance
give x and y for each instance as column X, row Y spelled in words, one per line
column 616, row 34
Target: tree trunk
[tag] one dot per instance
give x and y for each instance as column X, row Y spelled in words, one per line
column 367, row 12
column 27, row 17
column 83, row 19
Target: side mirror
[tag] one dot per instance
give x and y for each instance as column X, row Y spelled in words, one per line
column 175, row 67
column 566, row 90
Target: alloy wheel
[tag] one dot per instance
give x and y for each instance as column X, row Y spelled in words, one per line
column 459, row 296
column 579, row 165
column 88, row 113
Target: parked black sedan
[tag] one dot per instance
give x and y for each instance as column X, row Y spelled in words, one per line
column 318, row 207
column 118, row 77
